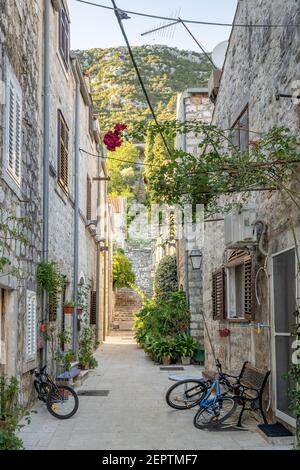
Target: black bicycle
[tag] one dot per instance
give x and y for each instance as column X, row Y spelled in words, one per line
column 61, row 400
column 188, row 393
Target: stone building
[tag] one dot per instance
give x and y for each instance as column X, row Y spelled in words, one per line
column 192, row 105
column 250, row 289
column 53, row 185
column 20, row 184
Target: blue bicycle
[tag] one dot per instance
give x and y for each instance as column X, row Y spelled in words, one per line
column 214, row 407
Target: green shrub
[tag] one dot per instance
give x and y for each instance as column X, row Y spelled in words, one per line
column 9, row 441
column 165, row 279
column 123, row 276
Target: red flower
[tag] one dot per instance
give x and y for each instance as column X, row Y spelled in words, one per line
column 119, row 128
column 43, row 327
column 112, row 138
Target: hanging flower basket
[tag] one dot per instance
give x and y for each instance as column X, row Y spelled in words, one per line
column 224, row 332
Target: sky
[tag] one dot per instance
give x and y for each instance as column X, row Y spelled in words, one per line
column 93, row 27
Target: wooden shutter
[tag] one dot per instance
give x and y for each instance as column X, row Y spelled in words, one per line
column 89, row 198
column 63, row 152
column 93, row 308
column 249, row 288
column 30, row 325
column 53, row 309
column 64, row 36
column 218, row 294
column 244, row 131
column 14, row 127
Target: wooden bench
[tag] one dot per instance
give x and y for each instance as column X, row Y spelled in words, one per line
column 252, row 382
column 250, row 385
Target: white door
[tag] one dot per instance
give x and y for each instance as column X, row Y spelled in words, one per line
column 284, row 306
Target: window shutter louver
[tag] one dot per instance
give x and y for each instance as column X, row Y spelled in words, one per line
column 63, row 152
column 93, row 308
column 14, row 131
column 89, row 199
column 31, row 325
column 53, row 309
column 249, row 279
column 218, row 294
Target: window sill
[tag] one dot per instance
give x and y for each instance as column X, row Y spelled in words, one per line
column 238, row 320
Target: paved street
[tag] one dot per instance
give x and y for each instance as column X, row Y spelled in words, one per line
column 134, row 415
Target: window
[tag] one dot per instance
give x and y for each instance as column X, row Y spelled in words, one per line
column 88, row 198
column 13, row 126
column 239, row 286
column 31, row 331
column 64, row 36
column 240, row 131
column 63, row 152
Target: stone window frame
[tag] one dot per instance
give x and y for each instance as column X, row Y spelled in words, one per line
column 63, row 151
column 237, row 128
column 31, row 326
column 64, row 35
column 13, row 122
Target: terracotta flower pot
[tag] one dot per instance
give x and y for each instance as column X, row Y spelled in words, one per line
column 185, row 360
column 166, row 360
column 68, row 310
column 224, row 332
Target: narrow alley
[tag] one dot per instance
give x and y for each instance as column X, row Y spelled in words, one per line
column 134, row 415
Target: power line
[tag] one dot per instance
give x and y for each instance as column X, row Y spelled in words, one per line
column 208, row 23
column 117, row 13
column 120, row 159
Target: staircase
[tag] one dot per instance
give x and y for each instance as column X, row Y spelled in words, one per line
column 126, row 303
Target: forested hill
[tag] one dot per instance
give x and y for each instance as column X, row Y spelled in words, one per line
column 166, row 71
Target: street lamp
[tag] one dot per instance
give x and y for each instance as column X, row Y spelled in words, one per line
column 196, row 259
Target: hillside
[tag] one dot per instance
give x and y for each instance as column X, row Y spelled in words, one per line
column 116, row 91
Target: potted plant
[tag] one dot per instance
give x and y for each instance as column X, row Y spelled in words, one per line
column 10, row 410
column 86, row 347
column 69, row 307
column 50, row 279
column 165, row 351
column 185, row 347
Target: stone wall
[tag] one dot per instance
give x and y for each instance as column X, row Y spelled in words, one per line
column 20, row 50
column 260, row 62
column 142, row 265
column 192, row 105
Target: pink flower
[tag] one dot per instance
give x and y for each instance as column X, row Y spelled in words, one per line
column 112, row 140
column 42, row 327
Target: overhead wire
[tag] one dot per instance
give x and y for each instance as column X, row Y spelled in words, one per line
column 117, row 13
column 208, row 23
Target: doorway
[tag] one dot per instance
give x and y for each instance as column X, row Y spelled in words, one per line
column 285, row 288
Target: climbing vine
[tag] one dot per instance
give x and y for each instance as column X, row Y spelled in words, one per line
column 219, row 168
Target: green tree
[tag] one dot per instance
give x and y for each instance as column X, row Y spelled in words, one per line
column 165, row 279
column 123, row 174
column 123, row 275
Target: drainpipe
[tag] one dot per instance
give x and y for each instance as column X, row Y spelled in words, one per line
column 105, row 260
column 76, row 201
column 98, row 239
column 46, row 147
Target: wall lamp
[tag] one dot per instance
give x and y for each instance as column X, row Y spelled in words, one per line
column 196, row 259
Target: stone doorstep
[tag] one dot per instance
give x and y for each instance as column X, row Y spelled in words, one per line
column 278, row 441
column 81, row 378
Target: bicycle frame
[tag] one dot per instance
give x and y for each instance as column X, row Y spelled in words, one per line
column 207, row 402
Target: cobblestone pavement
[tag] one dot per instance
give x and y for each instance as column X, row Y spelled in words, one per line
column 134, row 415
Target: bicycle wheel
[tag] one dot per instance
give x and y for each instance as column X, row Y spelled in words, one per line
column 215, row 415
column 186, row 394
column 62, row 402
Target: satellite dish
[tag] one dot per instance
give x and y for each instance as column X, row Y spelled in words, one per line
column 218, row 54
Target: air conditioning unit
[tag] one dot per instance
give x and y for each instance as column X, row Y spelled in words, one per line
column 239, row 229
